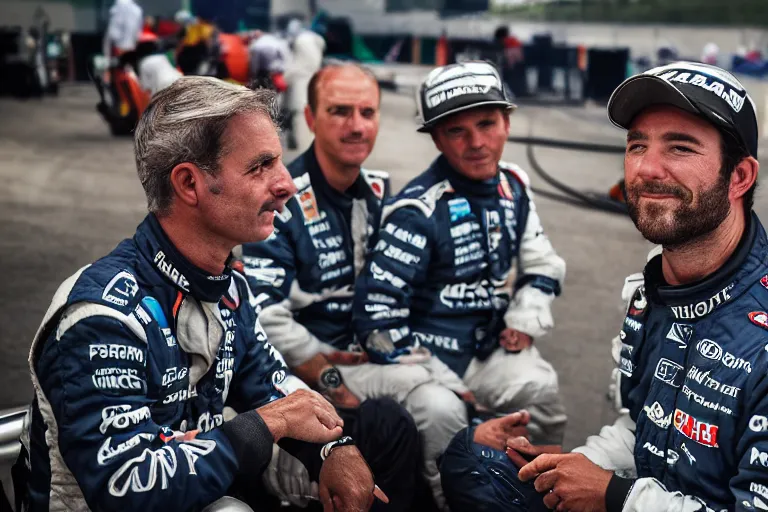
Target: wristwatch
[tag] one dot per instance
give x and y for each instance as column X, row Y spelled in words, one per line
column 329, row 380
column 326, row 450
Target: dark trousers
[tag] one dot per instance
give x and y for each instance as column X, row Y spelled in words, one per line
column 386, row 435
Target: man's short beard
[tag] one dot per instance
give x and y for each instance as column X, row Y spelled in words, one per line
column 688, row 223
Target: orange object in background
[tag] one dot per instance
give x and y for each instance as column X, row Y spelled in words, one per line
column 581, row 61
column 441, row 52
column 234, row 54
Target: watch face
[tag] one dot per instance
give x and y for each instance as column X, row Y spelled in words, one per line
column 330, row 378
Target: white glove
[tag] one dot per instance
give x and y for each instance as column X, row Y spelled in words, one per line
column 288, row 479
column 530, row 312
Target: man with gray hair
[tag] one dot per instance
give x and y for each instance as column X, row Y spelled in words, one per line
column 140, row 352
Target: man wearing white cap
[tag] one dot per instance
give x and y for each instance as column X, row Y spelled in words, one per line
column 461, row 277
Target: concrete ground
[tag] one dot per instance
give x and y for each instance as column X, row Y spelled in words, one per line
column 70, row 193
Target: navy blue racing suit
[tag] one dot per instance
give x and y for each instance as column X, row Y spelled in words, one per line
column 455, row 262
column 135, row 349
column 303, row 276
column 302, row 280
column 694, row 379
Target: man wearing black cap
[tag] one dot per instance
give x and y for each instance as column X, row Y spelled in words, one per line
column 694, row 363
column 461, row 276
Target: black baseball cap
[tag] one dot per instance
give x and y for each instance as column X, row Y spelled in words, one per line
column 457, row 87
column 701, row 89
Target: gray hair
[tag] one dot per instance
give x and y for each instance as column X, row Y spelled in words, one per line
column 185, row 122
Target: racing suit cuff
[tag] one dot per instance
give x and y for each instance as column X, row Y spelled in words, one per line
column 617, row 492
column 251, row 441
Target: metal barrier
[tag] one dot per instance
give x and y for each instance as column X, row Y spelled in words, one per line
column 11, row 424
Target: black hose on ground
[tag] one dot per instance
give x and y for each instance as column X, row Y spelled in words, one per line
column 573, row 196
column 569, row 144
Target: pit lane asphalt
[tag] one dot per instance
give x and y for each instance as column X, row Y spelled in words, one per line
column 70, row 193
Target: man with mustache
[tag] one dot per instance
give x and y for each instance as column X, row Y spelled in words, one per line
column 141, row 351
column 461, row 277
column 302, row 278
column 693, row 360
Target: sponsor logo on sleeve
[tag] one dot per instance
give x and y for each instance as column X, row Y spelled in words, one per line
column 639, row 302
column 695, row 430
column 117, row 352
column 107, row 452
column 142, row 473
column 633, row 324
column 121, row 289
column 118, row 379
column 121, row 417
column 174, row 374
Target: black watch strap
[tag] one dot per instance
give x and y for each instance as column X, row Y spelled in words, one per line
column 326, row 450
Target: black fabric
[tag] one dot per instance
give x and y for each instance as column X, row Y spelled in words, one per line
column 252, row 442
column 617, row 492
column 479, row 478
column 386, row 436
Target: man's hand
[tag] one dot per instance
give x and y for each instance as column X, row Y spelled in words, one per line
column 346, row 482
column 520, row 450
column 572, row 482
column 514, row 341
column 495, row 432
column 303, row 415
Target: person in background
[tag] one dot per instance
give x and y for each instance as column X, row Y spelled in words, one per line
column 307, row 48
column 122, row 33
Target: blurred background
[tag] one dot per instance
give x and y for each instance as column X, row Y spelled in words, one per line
column 69, row 191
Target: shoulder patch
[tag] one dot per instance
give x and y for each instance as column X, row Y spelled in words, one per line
column 518, row 171
column 375, row 173
column 377, row 181
column 121, row 289
column 426, row 202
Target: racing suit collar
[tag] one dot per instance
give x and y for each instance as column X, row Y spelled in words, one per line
column 698, row 299
column 356, row 191
column 156, row 247
column 466, row 185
